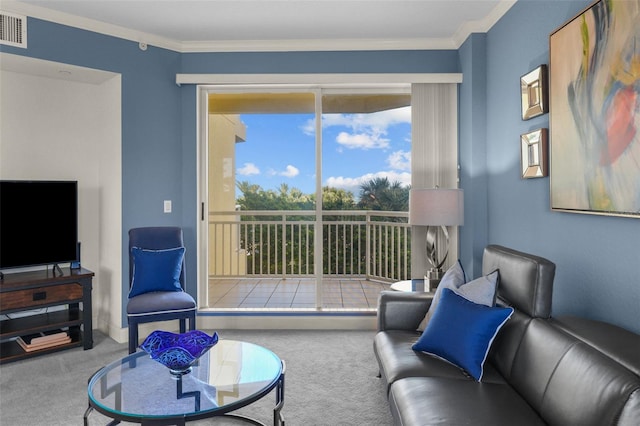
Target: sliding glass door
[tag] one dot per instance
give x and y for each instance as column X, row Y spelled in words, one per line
column 294, row 177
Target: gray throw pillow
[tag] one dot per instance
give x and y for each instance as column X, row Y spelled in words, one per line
column 481, row 291
column 453, row 278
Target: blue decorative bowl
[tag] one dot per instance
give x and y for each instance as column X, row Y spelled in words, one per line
column 178, row 352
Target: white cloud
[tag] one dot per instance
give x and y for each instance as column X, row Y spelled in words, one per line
column 353, row 184
column 309, row 128
column 376, row 120
column 367, row 130
column 362, row 141
column 290, row 171
column 400, row 160
column 373, row 124
column 248, row 169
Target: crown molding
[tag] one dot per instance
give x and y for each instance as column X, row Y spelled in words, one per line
column 482, row 26
column 260, row 45
column 75, row 21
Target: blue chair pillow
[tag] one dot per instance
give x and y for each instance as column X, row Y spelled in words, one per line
column 462, row 332
column 156, row 270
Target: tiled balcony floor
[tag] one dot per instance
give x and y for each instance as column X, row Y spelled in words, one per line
column 238, row 293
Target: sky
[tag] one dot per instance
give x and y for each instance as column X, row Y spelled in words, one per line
column 280, row 148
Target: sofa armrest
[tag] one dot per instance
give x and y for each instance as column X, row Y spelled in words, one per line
column 402, row 311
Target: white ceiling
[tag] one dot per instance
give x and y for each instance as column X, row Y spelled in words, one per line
column 262, row 25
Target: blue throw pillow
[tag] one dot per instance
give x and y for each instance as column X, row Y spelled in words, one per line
column 481, row 290
column 462, row 332
column 156, row 270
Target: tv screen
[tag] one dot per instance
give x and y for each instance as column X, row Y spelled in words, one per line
column 38, row 222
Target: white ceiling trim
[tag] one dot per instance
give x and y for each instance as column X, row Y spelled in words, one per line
column 482, row 26
column 259, row 45
column 319, row 79
column 316, row 45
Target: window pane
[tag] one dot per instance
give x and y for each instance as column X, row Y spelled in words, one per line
column 366, row 167
column 263, row 162
column 367, row 139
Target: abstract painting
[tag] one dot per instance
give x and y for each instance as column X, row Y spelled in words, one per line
column 595, row 111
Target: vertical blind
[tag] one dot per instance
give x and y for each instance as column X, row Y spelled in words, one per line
column 434, row 156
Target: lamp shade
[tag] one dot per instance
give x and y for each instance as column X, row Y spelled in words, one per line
column 436, row 207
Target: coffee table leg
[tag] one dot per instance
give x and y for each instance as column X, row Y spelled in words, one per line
column 278, row 419
column 86, row 418
column 86, row 415
column 104, row 392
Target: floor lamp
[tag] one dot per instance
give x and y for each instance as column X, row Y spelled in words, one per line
column 436, row 209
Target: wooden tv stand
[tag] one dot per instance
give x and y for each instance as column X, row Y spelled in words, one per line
column 40, row 290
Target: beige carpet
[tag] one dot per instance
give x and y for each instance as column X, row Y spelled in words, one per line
column 330, row 380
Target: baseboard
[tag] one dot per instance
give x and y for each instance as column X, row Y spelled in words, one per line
column 286, row 321
column 240, row 321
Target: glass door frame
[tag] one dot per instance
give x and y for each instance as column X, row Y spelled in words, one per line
column 202, row 152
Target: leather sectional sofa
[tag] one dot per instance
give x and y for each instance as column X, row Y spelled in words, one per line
column 540, row 370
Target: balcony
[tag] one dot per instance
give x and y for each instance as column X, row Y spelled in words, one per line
column 266, row 259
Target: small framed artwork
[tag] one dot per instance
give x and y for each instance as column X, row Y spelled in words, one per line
column 534, row 93
column 533, row 152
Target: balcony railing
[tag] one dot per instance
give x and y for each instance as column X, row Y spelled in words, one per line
column 355, row 243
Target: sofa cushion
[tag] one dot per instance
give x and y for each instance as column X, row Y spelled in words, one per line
column 619, row 344
column 568, row 380
column 428, row 401
column 156, row 270
column 505, row 346
column 159, row 302
column 588, row 388
column 397, row 360
column 462, row 332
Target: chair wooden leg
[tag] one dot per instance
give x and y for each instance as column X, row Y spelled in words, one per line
column 183, row 325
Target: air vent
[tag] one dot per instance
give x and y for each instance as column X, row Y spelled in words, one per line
column 13, row 30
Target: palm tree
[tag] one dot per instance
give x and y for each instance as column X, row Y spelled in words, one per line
column 380, row 194
column 370, row 192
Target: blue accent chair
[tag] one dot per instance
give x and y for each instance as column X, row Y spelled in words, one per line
column 155, row 306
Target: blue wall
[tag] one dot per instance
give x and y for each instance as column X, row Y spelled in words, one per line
column 159, row 133
column 597, row 257
column 151, row 120
column 598, row 260
column 472, row 152
column 441, row 61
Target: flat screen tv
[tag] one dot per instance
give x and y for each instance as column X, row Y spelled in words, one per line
column 38, row 222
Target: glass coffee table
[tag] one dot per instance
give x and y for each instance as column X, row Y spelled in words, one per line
column 231, row 375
